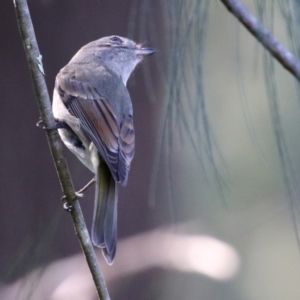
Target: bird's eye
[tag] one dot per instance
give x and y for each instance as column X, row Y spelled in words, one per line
column 116, row 39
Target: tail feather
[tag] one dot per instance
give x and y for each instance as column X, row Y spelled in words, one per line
column 104, row 227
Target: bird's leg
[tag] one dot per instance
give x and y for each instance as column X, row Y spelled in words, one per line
column 86, row 186
column 58, row 125
column 79, row 194
column 63, row 125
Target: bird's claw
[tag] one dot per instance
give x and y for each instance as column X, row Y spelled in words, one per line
column 41, row 124
column 58, row 124
column 78, row 196
column 66, row 205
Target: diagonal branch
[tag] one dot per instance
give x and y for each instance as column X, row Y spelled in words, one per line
column 264, row 36
column 55, row 144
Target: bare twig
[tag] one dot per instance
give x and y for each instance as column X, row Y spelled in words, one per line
column 264, row 36
column 43, row 101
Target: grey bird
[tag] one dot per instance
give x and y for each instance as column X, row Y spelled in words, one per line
column 94, row 111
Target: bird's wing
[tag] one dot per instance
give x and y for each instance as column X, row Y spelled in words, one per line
column 112, row 134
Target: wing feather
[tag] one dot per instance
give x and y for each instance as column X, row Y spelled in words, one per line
column 112, row 132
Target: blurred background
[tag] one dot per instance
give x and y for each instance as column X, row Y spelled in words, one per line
column 211, row 209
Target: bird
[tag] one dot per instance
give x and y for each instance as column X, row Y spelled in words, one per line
column 94, row 111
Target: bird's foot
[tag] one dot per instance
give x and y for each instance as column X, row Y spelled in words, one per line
column 58, row 124
column 78, row 194
column 66, row 205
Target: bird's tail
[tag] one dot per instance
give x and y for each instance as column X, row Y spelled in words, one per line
column 104, row 227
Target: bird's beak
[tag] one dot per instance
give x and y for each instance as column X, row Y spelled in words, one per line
column 144, row 51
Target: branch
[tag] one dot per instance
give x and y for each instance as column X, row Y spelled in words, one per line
column 55, row 144
column 264, row 36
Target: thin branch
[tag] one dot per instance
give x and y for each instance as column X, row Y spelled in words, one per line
column 264, row 36
column 55, row 144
